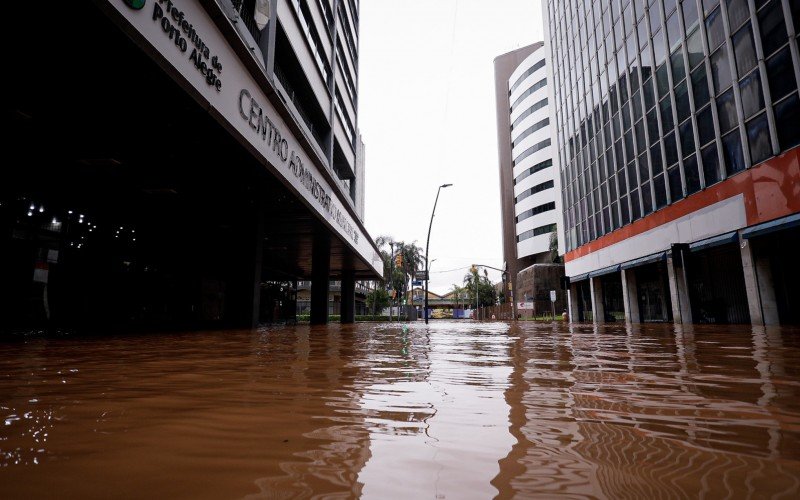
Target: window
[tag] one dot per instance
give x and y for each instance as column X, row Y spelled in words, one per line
column 732, row 151
column 539, row 65
column 773, row 27
column 533, row 128
column 652, row 126
column 535, row 189
column 711, row 164
column 720, row 70
column 714, row 29
column 758, row 137
column 781, row 74
column 536, row 106
column 738, row 13
column 675, row 187
column 694, row 46
column 536, row 86
column 705, row 125
column 539, row 166
column 536, row 147
column 536, row 210
column 666, row 115
column 745, row 51
column 673, row 30
column 670, row 149
column 752, row 97
column 661, row 191
column 700, row 87
column 662, row 79
column 682, row 101
column 678, row 68
column 655, row 159
column 786, row 114
column 689, row 8
column 687, row 137
column 726, row 111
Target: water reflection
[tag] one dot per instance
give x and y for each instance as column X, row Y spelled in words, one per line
column 454, row 409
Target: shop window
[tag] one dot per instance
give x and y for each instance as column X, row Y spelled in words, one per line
column 752, row 96
column 726, row 111
column 758, row 138
column 745, row 51
column 780, row 70
column 732, row 151
column 786, row 113
column 773, row 27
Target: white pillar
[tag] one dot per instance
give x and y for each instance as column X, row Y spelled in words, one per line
column 572, row 303
column 759, row 286
column 678, row 291
column 630, row 296
column 598, row 312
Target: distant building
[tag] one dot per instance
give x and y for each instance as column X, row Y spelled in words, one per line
column 529, row 199
column 679, row 171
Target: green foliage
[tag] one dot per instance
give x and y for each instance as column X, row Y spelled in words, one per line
column 398, row 278
column 487, row 295
column 378, row 299
column 305, row 318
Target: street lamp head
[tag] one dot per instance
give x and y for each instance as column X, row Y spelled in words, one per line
column 445, row 185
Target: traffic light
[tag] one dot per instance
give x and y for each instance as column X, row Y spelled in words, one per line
column 473, row 269
column 398, row 260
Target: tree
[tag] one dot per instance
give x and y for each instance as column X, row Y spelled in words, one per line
column 378, row 299
column 397, row 277
column 487, row 295
column 458, row 293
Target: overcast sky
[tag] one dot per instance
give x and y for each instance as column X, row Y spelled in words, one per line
column 427, row 116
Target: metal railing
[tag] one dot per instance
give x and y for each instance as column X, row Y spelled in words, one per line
column 281, row 77
column 246, row 8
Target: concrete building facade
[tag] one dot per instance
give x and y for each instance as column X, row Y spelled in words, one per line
column 207, row 158
column 527, row 175
column 677, row 157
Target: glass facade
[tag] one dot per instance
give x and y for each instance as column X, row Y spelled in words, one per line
column 658, row 99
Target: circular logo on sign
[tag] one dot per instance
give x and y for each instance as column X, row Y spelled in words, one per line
column 135, row 4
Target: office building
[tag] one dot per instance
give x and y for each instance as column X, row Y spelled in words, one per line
column 677, row 134
column 528, row 195
column 182, row 162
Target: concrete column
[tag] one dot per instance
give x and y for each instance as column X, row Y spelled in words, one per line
column 572, row 303
column 320, row 276
column 250, row 312
column 348, row 306
column 630, row 296
column 678, row 290
column 598, row 311
column 759, row 286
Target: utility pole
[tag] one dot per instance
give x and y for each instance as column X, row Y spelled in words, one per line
column 427, row 246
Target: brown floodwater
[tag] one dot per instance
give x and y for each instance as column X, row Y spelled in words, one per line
column 453, row 410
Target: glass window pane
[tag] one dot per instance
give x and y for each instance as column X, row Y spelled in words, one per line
column 654, row 17
column 711, row 164
column 655, row 159
column 635, row 207
column 781, row 74
column 652, row 126
column 641, row 143
column 682, row 101
column 795, row 6
column 689, row 9
column 732, row 151
column 694, row 45
column 666, row 116
column 678, row 68
column 691, row 174
column 663, row 80
column 705, row 125
column 773, row 27
column 675, row 187
column 786, row 114
column 670, row 149
column 658, row 48
column 720, row 70
column 700, row 87
column 758, row 137
column 715, row 30
column 709, row 4
column 673, row 30
column 660, row 188
column 752, row 96
column 649, row 95
column 687, row 137
column 738, row 13
column 745, row 51
column 726, row 111
column 647, row 198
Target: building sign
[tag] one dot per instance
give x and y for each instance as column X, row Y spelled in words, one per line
column 188, row 39
column 525, row 306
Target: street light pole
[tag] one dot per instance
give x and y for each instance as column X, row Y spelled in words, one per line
column 427, row 245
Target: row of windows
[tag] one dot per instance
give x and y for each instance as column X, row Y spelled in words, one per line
column 546, row 207
column 535, row 189
column 536, row 147
column 527, row 173
column 533, row 128
column 694, row 119
column 535, row 107
column 533, row 69
column 549, row 228
column 536, row 86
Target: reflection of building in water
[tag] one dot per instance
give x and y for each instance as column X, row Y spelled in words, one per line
column 677, row 151
column 650, row 414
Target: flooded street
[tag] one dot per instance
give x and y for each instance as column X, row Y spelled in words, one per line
column 453, row 410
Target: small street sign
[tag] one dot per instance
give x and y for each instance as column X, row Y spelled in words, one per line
column 421, row 275
column 552, row 295
column 416, row 283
